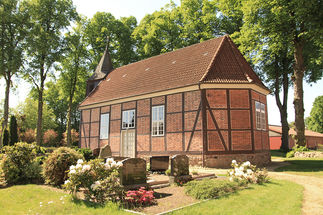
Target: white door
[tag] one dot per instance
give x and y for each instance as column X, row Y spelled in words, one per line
column 128, row 143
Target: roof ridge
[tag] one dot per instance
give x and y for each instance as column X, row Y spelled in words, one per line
column 213, row 59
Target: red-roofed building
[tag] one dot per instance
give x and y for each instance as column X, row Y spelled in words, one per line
column 313, row 139
column 204, row 101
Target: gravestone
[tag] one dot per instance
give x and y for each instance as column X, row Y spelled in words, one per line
column 159, row 163
column 96, row 152
column 133, row 171
column 105, row 152
column 179, row 165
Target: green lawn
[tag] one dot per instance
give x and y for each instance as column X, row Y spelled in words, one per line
column 305, row 166
column 277, row 154
column 277, row 197
column 35, row 199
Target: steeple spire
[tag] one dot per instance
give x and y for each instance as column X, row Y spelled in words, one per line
column 102, row 70
column 105, row 65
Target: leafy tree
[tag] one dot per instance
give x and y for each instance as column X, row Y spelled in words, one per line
column 159, row 32
column 45, row 44
column 57, row 104
column 315, row 120
column 200, row 21
column 74, row 73
column 289, row 31
column 12, row 33
column 104, row 25
column 13, row 130
column 26, row 114
column 5, row 137
column 175, row 27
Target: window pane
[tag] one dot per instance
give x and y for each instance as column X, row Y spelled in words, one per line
column 154, row 128
column 161, row 128
column 104, row 126
column 131, row 119
column 161, row 113
column 263, row 108
column 154, row 113
column 257, row 106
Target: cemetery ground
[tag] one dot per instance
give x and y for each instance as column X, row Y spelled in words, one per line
column 284, row 194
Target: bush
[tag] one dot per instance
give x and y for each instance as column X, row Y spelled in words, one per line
column 57, row 164
column 28, row 136
column 296, row 148
column 19, row 165
column 5, row 137
column 290, row 154
column 247, row 172
column 13, row 130
column 141, row 197
column 99, row 181
column 87, row 153
column 211, row 188
column 50, row 138
column 168, row 172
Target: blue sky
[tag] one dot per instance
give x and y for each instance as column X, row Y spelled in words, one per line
column 139, row 8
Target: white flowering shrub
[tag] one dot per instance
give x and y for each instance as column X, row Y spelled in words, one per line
column 98, row 181
column 247, row 172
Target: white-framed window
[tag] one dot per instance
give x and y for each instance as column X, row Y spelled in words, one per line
column 260, row 116
column 104, row 126
column 128, row 119
column 158, row 121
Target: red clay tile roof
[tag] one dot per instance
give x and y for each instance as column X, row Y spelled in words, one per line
column 308, row 133
column 216, row 61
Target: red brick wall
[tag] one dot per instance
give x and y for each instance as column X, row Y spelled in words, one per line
column 235, row 118
column 230, row 108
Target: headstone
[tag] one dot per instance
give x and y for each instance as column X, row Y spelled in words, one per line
column 118, row 158
column 105, row 152
column 179, row 165
column 159, row 163
column 133, row 171
column 96, row 152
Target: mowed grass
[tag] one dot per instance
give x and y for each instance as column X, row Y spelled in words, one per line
column 277, row 154
column 277, row 197
column 35, row 199
column 303, row 166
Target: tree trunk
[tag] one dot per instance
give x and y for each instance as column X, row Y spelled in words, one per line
column 39, row 137
column 282, row 106
column 297, row 78
column 69, row 136
column 5, row 109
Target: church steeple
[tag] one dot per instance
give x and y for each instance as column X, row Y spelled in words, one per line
column 102, row 70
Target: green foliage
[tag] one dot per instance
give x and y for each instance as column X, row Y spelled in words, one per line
column 5, row 137
column 27, row 112
column 315, row 120
column 13, row 130
column 99, row 181
column 212, row 188
column 120, row 43
column 296, row 148
column 86, row 153
column 19, row 166
column 168, row 172
column 57, row 164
